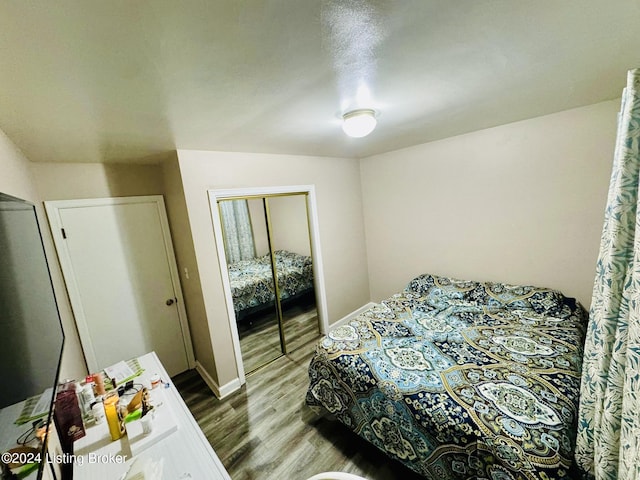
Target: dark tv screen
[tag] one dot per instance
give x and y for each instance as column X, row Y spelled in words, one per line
column 31, row 336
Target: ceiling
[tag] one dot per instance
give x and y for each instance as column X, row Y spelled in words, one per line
column 129, row 80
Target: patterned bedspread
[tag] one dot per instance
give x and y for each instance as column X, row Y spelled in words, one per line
column 252, row 280
column 459, row 379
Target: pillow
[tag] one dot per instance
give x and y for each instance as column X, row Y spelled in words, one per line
column 541, row 300
column 489, row 294
column 428, row 283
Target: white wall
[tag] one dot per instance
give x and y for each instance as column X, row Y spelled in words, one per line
column 521, row 203
column 337, row 183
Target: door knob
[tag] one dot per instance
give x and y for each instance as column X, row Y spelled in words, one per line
column 170, row 302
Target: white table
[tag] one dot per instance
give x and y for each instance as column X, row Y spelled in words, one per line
column 10, row 431
column 185, row 451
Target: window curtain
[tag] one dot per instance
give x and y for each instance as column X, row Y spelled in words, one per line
column 236, row 225
column 608, row 441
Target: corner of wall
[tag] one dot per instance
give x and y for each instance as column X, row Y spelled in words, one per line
column 183, row 245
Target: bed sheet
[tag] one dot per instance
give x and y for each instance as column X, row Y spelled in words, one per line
column 252, row 284
column 459, row 379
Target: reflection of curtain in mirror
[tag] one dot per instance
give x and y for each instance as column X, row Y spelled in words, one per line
column 236, row 224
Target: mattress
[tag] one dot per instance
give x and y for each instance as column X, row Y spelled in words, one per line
column 252, row 280
column 459, row 379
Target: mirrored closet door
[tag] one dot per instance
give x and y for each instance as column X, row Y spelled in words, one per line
column 269, row 259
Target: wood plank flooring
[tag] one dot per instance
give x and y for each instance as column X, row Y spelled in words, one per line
column 264, row 431
column 260, row 338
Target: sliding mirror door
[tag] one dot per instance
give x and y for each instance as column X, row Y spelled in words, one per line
column 246, row 245
column 267, row 237
column 291, row 243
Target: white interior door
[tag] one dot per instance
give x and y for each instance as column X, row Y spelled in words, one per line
column 120, row 271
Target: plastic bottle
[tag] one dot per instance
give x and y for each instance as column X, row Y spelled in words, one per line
column 87, row 398
column 115, row 421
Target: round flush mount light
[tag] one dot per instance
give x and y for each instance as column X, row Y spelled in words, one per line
column 359, row 123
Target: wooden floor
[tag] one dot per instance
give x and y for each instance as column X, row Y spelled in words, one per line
column 264, row 431
column 260, row 337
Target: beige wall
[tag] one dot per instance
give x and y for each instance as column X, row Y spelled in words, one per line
column 16, row 179
column 259, row 226
column 289, row 224
column 187, row 265
column 337, row 183
column 66, row 181
column 521, row 203
column 69, row 181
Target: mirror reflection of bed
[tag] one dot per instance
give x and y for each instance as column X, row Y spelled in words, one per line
column 263, row 235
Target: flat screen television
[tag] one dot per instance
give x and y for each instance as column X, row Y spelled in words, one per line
column 31, row 335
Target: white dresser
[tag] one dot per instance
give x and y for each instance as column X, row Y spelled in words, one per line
column 176, row 440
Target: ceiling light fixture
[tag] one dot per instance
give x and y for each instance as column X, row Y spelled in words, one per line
column 359, row 123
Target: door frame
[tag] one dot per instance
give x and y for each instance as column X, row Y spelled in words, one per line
column 216, row 195
column 53, row 209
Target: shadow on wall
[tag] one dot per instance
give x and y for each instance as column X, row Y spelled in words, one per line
column 143, row 178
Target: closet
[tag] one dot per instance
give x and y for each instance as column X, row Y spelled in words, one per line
column 269, row 262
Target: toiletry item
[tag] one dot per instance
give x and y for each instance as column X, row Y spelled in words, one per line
column 87, row 398
column 146, row 402
column 67, row 413
column 147, row 423
column 97, row 410
column 115, row 421
column 98, row 379
column 155, row 380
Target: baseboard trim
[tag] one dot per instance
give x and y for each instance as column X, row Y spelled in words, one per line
column 220, row 392
column 352, row 315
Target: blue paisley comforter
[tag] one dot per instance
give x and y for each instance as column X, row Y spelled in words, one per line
column 460, row 379
column 252, row 280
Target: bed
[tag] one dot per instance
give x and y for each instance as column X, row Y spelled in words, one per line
column 252, row 285
column 459, row 379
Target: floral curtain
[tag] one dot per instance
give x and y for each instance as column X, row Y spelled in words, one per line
column 608, row 442
column 238, row 235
